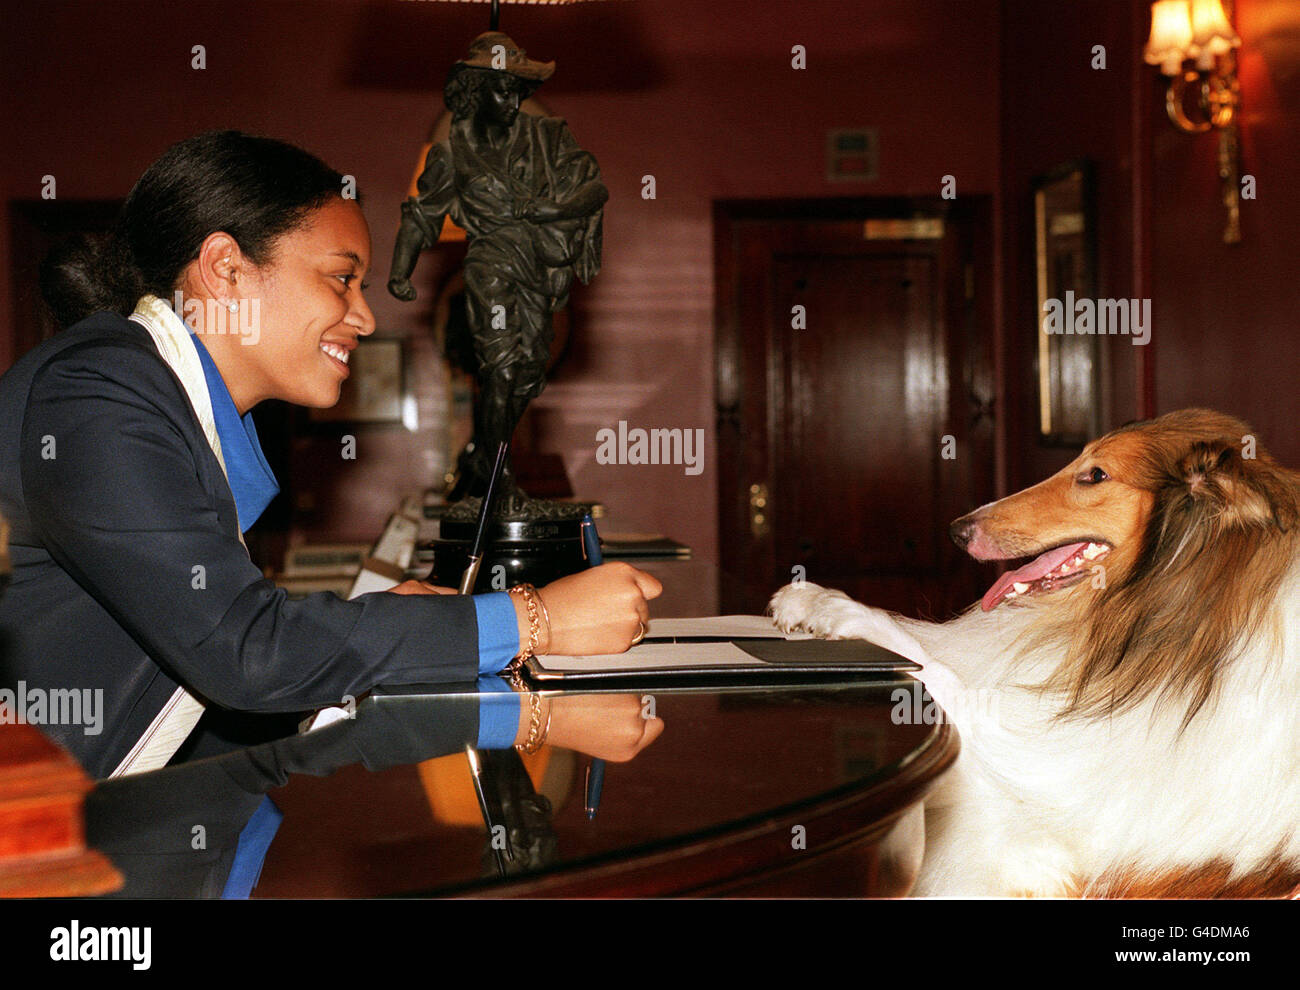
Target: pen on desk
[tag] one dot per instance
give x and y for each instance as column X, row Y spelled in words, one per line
column 467, row 588
column 596, row 771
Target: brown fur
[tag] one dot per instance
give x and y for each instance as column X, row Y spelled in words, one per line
column 1279, row 879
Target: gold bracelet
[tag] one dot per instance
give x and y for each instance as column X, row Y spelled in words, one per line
column 536, row 731
column 546, row 614
column 529, row 594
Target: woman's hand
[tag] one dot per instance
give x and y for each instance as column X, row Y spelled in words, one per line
column 601, row 610
column 608, row 726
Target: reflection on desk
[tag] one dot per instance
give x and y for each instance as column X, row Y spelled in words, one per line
column 801, row 788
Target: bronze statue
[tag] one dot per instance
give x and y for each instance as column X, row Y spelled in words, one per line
column 530, row 200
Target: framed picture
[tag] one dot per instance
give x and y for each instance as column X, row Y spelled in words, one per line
column 1065, row 252
column 375, row 391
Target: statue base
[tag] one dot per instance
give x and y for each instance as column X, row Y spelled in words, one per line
column 533, row 548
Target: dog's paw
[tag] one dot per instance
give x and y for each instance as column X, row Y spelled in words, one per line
column 800, row 607
column 832, row 614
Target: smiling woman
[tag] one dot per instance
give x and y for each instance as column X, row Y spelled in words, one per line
column 308, row 299
column 130, row 467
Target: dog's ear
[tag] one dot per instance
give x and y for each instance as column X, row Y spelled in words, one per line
column 1235, row 490
column 1202, row 467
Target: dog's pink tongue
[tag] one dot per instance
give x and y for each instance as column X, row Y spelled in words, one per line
column 1032, row 571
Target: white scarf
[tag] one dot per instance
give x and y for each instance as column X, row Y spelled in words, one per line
column 171, row 336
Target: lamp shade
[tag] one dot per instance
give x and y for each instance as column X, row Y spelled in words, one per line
column 1212, row 35
column 1171, row 35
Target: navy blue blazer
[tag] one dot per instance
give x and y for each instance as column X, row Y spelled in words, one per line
column 128, row 573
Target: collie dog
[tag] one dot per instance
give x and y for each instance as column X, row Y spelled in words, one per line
column 1128, row 702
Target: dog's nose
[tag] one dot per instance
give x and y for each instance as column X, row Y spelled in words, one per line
column 962, row 531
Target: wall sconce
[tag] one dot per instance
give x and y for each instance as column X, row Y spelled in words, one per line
column 1199, row 31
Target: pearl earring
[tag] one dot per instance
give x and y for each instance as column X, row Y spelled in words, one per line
column 233, row 307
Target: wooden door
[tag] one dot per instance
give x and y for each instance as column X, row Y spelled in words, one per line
column 854, row 420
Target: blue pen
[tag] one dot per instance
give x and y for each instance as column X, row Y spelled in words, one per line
column 591, row 542
column 595, row 772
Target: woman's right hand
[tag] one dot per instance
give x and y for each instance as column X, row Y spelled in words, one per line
column 600, row 610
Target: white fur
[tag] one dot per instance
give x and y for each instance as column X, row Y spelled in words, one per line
column 1034, row 803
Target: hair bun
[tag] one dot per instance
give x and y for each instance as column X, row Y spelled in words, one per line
column 87, row 273
column 252, row 188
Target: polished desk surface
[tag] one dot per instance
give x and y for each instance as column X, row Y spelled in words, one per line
column 803, row 787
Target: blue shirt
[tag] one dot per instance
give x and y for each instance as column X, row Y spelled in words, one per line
column 250, row 477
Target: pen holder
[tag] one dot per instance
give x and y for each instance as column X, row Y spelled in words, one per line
column 518, row 551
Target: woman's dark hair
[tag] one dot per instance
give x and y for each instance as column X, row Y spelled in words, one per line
column 253, row 188
column 465, row 84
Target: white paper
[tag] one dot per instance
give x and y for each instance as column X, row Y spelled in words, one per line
column 676, row 656
column 735, row 626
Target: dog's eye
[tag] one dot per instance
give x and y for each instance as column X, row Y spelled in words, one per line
column 1094, row 477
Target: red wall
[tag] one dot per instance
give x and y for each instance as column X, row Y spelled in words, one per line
column 702, row 96
column 1225, row 330
column 1228, row 315
column 1056, row 107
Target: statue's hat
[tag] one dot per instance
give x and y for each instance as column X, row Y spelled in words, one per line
column 516, row 62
